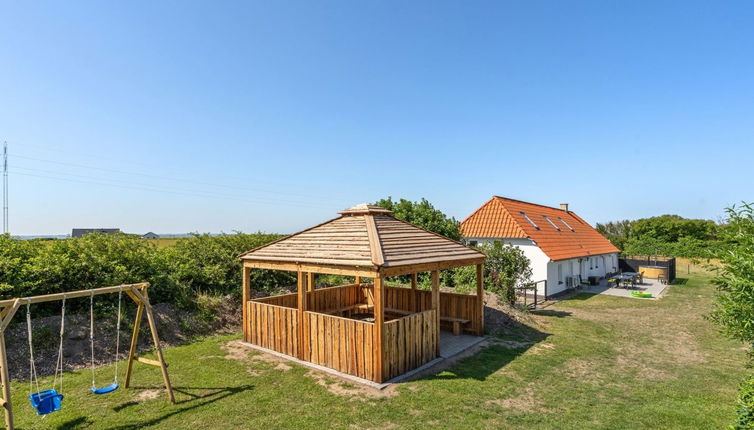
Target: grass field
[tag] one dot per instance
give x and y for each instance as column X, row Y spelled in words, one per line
column 589, row 362
column 164, row 242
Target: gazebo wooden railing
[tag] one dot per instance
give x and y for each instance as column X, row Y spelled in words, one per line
column 327, row 326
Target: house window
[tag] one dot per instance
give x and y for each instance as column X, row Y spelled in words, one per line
column 560, row 273
column 526, row 217
column 566, row 224
column 473, row 243
column 551, row 223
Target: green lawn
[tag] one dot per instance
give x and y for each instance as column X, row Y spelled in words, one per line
column 591, row 362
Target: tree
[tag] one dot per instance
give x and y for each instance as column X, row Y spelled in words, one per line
column 617, row 232
column 506, row 269
column 734, row 307
column 424, row 215
column 670, row 228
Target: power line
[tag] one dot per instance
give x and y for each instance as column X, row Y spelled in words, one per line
column 148, row 175
column 149, row 187
column 178, row 192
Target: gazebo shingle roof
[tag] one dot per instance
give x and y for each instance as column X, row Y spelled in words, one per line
column 365, row 236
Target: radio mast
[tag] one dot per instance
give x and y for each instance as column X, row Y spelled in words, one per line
column 5, row 187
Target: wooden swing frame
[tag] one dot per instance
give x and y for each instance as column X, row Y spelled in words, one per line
column 137, row 292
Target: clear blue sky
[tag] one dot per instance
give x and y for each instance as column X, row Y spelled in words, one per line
column 220, row 116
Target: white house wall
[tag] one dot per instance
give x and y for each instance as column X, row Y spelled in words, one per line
column 545, row 269
column 536, row 256
column 596, row 265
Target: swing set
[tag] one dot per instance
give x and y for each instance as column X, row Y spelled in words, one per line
column 50, row 400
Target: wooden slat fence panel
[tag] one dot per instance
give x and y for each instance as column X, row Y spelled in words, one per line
column 339, row 343
column 326, row 299
column 286, row 300
column 273, row 327
column 452, row 305
column 409, row 342
column 398, row 298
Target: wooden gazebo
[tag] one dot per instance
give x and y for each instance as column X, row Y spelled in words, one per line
column 363, row 329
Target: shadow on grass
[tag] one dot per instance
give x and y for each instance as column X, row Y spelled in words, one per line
column 510, row 341
column 679, row 281
column 551, row 313
column 194, row 402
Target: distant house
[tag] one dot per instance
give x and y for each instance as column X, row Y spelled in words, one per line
column 150, row 235
column 562, row 247
column 81, row 232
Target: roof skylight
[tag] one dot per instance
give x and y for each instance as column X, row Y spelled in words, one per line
column 566, row 224
column 526, row 217
column 551, row 223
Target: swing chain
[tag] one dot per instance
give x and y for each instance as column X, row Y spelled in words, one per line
column 91, row 334
column 32, row 368
column 117, row 334
column 59, row 363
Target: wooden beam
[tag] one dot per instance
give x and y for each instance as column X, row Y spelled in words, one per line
column 134, row 338
column 436, row 307
column 367, row 272
column 5, row 381
column 75, row 294
column 310, row 281
column 142, row 299
column 133, row 296
column 375, row 247
column 302, row 307
column 9, row 315
column 245, row 296
column 379, row 325
column 428, row 267
column 157, row 347
column 150, row 362
column 413, row 292
column 480, row 297
column 357, row 280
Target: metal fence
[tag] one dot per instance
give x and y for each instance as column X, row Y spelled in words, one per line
column 631, row 263
column 527, row 296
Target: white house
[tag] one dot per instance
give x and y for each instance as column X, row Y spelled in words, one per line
column 562, row 247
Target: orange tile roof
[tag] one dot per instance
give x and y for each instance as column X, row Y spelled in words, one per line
column 501, row 217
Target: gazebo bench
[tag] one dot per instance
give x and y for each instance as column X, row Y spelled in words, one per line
column 351, row 308
column 458, row 323
column 398, row 311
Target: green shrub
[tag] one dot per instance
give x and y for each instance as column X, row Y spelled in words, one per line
column 506, row 269
column 745, row 410
column 734, row 306
column 199, row 264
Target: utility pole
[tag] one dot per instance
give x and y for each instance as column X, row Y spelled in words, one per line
column 5, row 187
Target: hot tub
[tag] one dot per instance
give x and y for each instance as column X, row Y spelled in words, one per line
column 654, row 271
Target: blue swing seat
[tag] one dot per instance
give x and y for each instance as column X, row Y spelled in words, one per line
column 106, row 390
column 46, row 402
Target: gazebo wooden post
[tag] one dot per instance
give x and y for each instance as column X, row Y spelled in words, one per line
column 302, row 307
column 309, row 288
column 480, row 296
column 357, row 280
column 436, row 307
column 413, row 293
column 379, row 321
column 245, row 296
